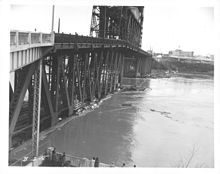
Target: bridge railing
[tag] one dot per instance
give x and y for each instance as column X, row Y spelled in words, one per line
column 30, row 39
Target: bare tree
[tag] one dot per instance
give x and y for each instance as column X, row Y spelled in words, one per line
column 187, row 162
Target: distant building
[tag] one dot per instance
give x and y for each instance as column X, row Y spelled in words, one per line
column 158, row 58
column 208, row 57
column 211, row 57
column 180, row 53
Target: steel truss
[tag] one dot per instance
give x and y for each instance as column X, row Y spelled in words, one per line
column 118, row 22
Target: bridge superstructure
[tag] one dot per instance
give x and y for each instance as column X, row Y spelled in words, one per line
column 119, row 22
column 56, row 74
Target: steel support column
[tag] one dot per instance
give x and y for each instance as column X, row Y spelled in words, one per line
column 57, row 94
column 93, row 73
column 111, row 69
column 79, row 79
column 122, row 68
column 64, row 84
column 105, row 75
column 46, row 89
column 115, row 69
column 99, row 79
column 117, row 72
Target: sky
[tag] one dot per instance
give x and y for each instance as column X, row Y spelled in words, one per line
column 190, row 29
column 166, row 26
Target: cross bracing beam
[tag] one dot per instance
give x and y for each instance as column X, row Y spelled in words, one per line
column 17, row 101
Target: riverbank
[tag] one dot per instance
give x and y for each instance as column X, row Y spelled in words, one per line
column 16, row 155
column 159, row 74
column 194, row 75
column 169, row 74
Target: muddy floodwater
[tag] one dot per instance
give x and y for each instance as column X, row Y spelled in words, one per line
column 170, row 124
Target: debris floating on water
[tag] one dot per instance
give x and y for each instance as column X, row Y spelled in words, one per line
column 162, row 112
column 126, row 104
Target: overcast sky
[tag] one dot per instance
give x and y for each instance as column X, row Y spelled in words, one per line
column 166, row 26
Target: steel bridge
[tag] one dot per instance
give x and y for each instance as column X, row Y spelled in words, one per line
column 53, row 75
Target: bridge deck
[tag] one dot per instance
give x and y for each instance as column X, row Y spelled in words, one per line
column 68, row 41
column 27, row 47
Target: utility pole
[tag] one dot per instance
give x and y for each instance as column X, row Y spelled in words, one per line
column 59, row 25
column 37, row 103
column 36, row 109
column 52, row 19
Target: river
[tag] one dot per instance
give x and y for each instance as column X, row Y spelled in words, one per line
column 170, row 124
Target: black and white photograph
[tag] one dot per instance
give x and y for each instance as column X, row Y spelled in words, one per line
column 126, row 85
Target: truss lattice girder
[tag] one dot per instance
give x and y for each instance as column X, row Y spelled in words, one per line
column 117, row 22
column 21, row 95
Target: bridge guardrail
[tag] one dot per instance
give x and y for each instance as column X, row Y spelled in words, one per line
column 23, row 38
column 30, row 39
